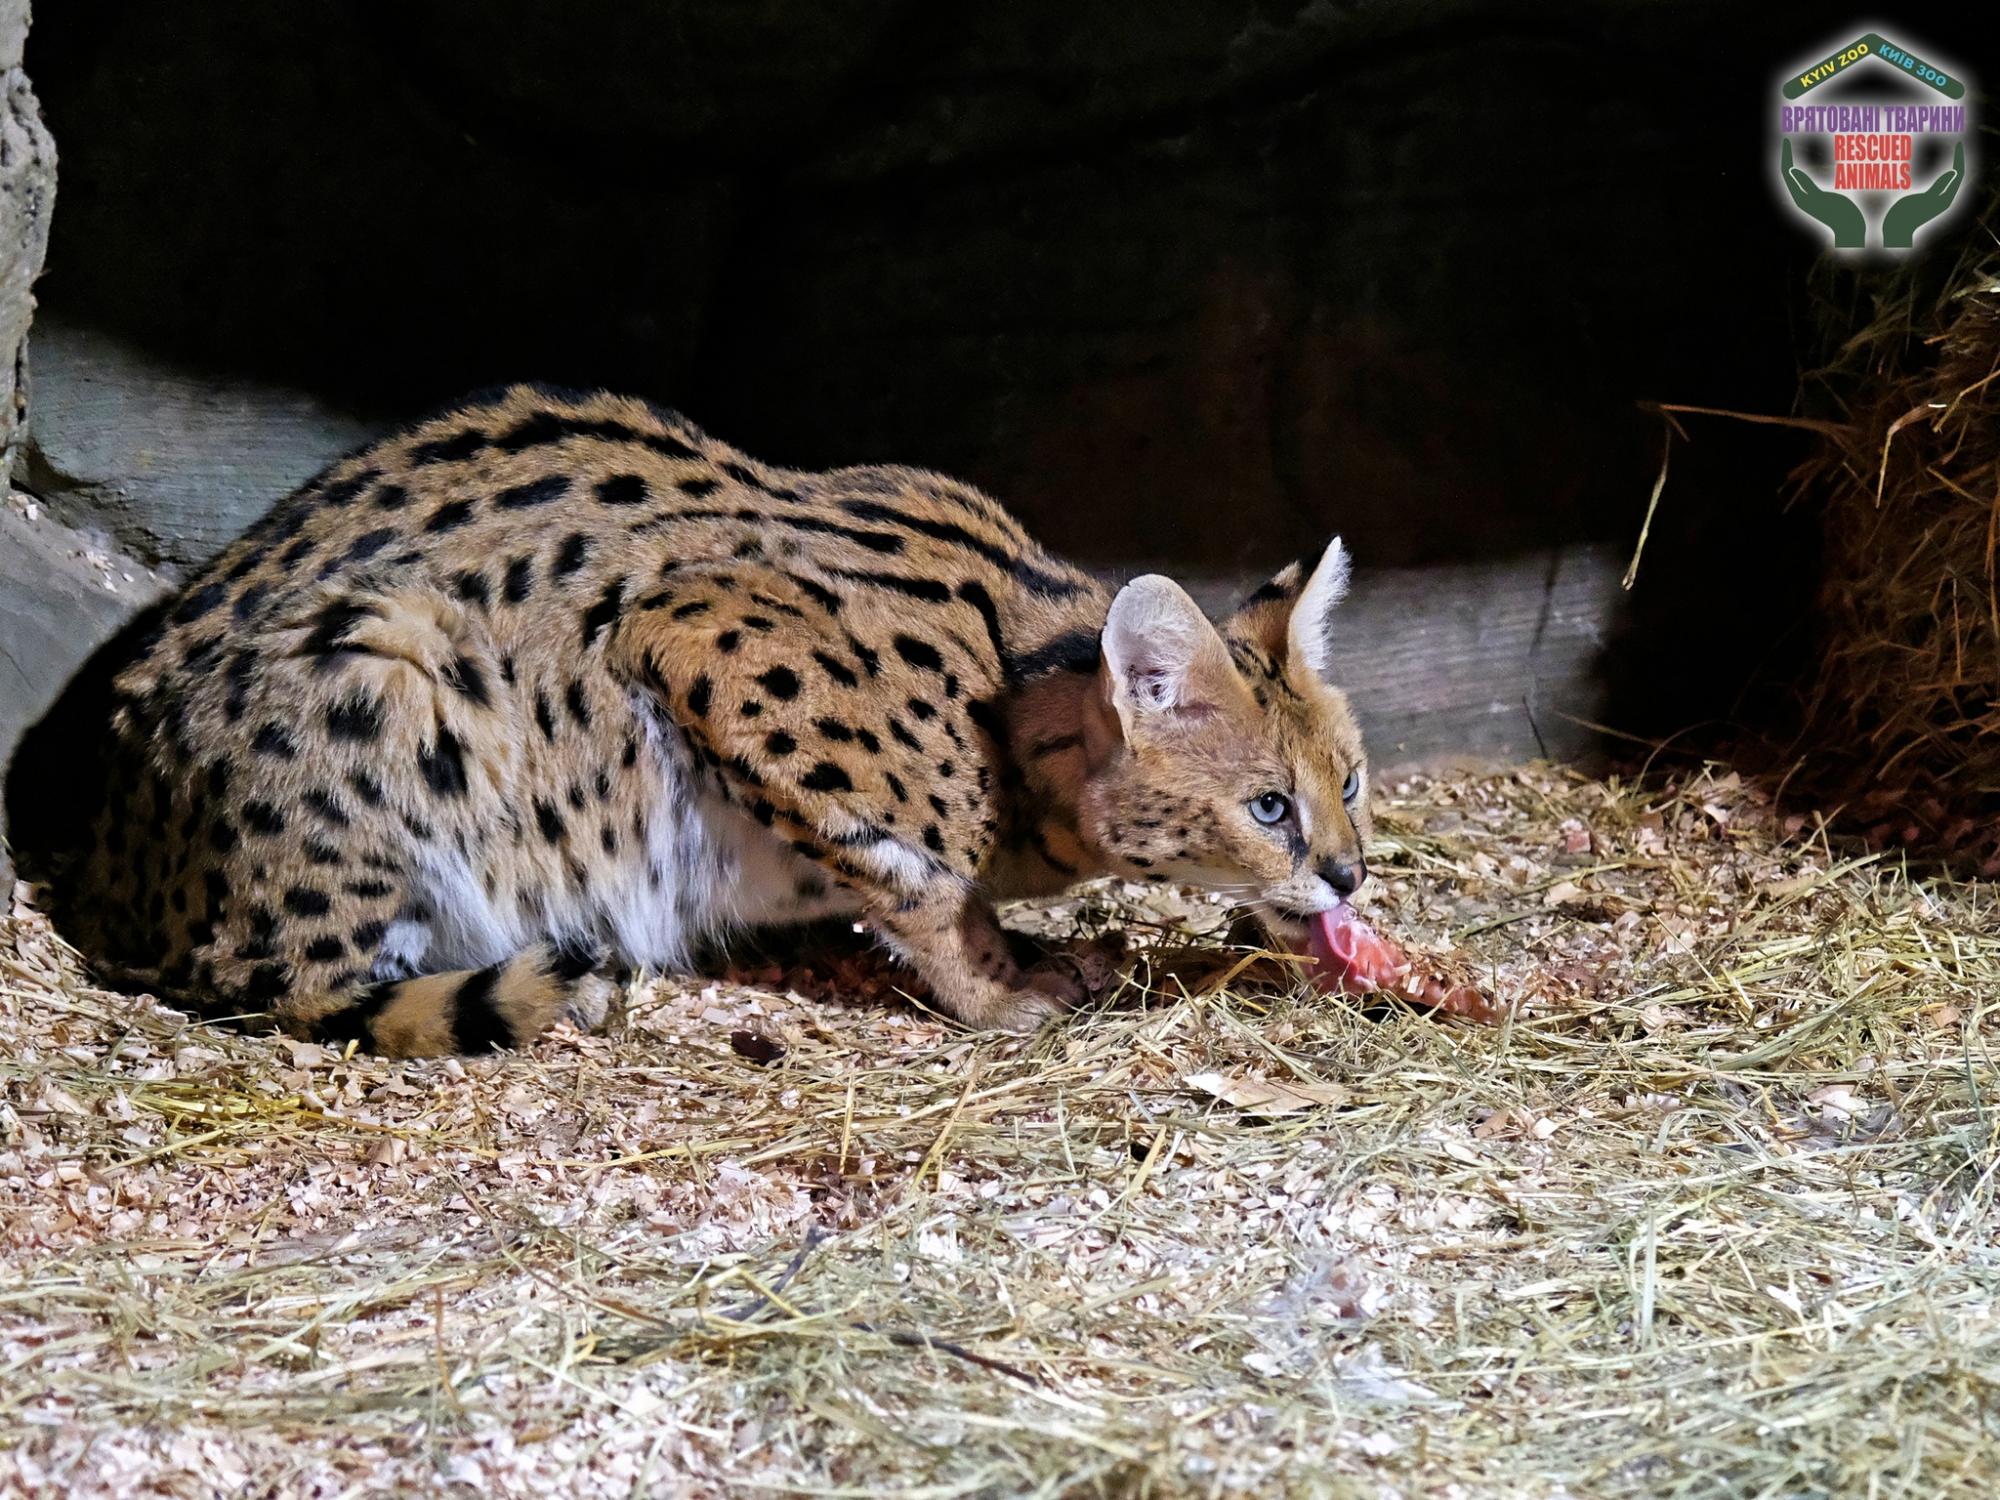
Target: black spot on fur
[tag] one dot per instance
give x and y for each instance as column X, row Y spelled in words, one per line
column 272, row 740
column 356, row 717
column 367, row 787
column 1072, row 651
column 696, row 488
column 781, row 683
column 464, row 676
column 454, row 449
column 606, row 610
column 262, row 817
column 342, row 491
column 818, row 592
column 322, row 801
column 198, row 603
column 472, row 588
column 918, row 653
column 622, row 489
column 535, row 492
column 545, row 716
column 268, row 982
column 520, row 580
column 777, row 742
column 699, row 695
column 449, row 516
column 368, row 544
column 575, row 548
column 578, row 702
column 549, row 820
column 324, row 950
column 443, row 765
column 927, row 589
column 826, row 777
column 248, row 601
column 201, row 655
column 328, row 637
column 304, row 901
column 836, row 669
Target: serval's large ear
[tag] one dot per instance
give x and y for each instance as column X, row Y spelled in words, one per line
column 1289, row 619
column 1162, row 656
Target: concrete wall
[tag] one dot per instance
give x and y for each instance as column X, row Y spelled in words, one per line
column 27, row 192
column 1193, row 284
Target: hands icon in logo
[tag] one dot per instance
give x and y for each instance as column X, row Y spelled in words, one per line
column 1911, row 212
column 1837, row 212
column 1843, row 216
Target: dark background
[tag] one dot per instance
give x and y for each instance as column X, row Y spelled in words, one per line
column 1194, row 281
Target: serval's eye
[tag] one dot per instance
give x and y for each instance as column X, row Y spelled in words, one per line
column 1352, row 787
column 1272, row 807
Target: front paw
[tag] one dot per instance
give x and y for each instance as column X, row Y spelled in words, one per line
column 1017, row 1010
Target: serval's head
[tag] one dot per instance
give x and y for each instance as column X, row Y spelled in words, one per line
column 1224, row 757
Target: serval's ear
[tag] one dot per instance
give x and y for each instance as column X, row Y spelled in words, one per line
column 1310, row 633
column 1161, row 655
column 1288, row 619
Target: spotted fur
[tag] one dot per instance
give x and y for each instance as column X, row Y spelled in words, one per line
column 553, row 684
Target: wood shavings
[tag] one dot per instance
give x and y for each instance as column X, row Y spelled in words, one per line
column 1223, row 1238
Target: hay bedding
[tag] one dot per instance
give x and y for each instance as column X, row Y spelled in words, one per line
column 1712, row 1214
column 1903, row 714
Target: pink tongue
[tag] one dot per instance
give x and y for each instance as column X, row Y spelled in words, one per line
column 1330, row 942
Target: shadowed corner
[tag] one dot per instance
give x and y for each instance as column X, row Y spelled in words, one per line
column 55, row 779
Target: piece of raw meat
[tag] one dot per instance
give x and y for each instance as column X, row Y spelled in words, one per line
column 1354, row 959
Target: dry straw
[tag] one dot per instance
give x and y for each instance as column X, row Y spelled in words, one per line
column 1712, row 1214
column 1904, row 715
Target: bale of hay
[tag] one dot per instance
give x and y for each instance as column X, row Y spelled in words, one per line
column 1903, row 717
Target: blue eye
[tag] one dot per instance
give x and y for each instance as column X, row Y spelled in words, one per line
column 1272, row 807
column 1352, row 788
